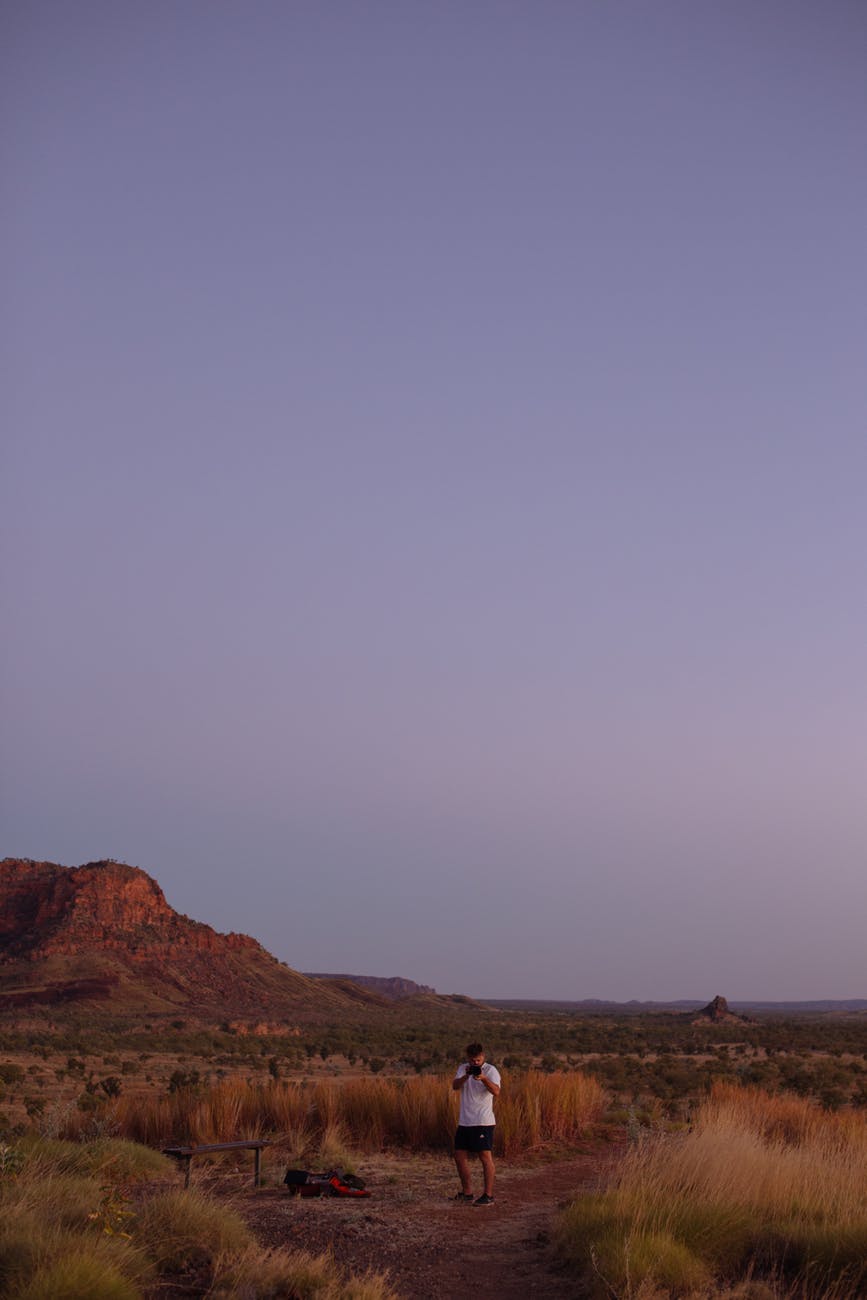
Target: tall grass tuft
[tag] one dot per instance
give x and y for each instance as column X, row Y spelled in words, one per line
column 264, row 1274
column 87, row 1273
column 547, row 1108
column 106, row 1158
column 39, row 1256
column 761, row 1183
column 183, row 1230
column 418, row 1113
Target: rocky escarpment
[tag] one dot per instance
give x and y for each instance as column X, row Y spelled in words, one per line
column 48, row 909
column 392, row 987
column 104, row 932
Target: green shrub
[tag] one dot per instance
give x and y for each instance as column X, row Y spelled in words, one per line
column 126, row 1162
column 589, row 1231
column 31, row 1245
column 821, row 1255
column 182, row 1230
column 107, row 1158
column 63, row 1201
column 81, row 1276
column 724, row 1235
column 658, row 1258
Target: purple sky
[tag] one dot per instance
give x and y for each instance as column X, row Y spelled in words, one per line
column 433, row 506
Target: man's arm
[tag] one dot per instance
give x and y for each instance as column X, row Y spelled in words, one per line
column 459, row 1080
column 493, row 1088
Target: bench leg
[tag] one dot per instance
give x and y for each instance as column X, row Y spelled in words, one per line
column 256, row 1166
column 188, row 1160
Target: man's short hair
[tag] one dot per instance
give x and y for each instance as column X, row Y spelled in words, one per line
column 475, row 1049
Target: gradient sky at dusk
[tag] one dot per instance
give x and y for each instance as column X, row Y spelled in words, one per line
column 434, row 480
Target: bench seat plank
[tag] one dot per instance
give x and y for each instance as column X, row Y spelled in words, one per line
column 186, row 1153
column 215, row 1146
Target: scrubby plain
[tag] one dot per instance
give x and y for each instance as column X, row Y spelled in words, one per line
column 657, row 1065
column 744, row 1170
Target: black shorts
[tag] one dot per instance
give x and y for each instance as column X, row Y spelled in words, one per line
column 478, row 1138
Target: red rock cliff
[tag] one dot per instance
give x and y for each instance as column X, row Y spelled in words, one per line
column 104, row 933
column 47, row 909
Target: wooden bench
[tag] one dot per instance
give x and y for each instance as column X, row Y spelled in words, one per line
column 186, row 1154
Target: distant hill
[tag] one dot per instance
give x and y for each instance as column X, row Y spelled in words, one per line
column 103, row 935
column 597, row 1006
column 392, row 987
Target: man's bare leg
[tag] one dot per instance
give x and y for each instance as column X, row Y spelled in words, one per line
column 488, row 1170
column 463, row 1165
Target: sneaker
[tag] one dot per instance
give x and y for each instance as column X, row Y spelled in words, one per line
column 484, row 1200
column 463, row 1198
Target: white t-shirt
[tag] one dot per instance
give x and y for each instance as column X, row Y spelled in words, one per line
column 477, row 1104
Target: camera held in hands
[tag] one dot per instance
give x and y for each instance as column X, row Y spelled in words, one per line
column 474, row 1070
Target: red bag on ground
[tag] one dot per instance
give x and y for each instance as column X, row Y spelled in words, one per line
column 302, row 1183
column 341, row 1186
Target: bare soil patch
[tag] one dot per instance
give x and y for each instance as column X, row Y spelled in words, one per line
column 430, row 1245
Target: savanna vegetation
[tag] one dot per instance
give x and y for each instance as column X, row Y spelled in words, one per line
column 658, row 1066
column 744, row 1174
column 104, row 1220
column 764, row 1193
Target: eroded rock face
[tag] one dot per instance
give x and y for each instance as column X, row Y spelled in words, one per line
column 392, row 987
column 26, row 891
column 46, row 909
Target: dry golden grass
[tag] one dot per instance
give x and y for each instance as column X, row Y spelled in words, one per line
column 72, row 1277
column 69, row 1231
column 547, row 1108
column 110, row 1159
column 368, row 1114
column 181, row 1230
column 50, row 1242
column 761, row 1182
column 264, row 1274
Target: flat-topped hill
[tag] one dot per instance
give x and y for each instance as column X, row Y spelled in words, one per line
column 393, row 987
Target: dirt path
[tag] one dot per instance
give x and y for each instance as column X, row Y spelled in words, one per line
column 431, row 1247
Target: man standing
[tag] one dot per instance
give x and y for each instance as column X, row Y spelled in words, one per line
column 478, row 1083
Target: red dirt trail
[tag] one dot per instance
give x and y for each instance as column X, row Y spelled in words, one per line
column 431, row 1247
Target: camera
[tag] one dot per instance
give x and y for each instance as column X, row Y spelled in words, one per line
column 474, row 1070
